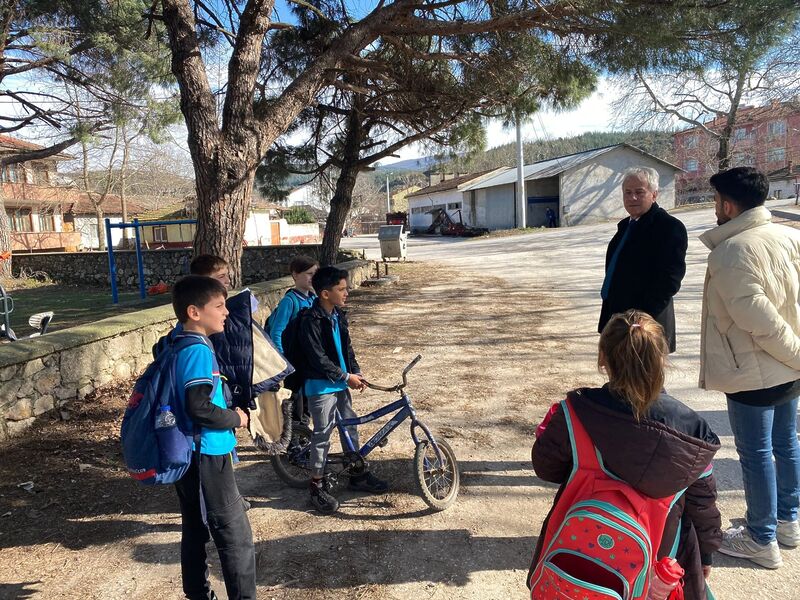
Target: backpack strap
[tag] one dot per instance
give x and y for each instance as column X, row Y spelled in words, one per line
column 584, row 454
column 180, row 342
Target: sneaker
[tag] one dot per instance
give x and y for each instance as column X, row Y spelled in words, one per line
column 322, row 500
column 328, row 483
column 738, row 542
column 367, row 482
column 788, row 533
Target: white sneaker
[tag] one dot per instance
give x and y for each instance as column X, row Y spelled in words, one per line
column 738, row 542
column 788, row 533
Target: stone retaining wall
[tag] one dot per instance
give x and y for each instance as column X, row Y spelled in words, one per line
column 259, row 263
column 45, row 373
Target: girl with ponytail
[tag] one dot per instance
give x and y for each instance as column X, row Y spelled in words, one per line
column 646, row 438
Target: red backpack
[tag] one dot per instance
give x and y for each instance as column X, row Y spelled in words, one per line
column 602, row 535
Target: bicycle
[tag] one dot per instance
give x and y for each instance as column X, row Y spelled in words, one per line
column 435, row 465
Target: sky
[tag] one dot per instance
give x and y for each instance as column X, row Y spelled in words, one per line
column 593, row 114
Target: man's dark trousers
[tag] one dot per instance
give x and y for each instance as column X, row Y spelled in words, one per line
column 227, row 523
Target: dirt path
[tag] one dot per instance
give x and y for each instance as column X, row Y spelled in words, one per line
column 86, row 531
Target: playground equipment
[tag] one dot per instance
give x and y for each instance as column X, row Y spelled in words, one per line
column 112, row 265
column 39, row 321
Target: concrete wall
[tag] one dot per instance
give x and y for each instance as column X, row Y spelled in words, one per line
column 41, row 374
column 259, row 263
column 87, row 226
column 592, row 192
column 257, row 229
column 782, row 188
column 299, row 233
column 420, row 221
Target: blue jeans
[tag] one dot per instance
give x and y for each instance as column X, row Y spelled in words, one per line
column 771, row 489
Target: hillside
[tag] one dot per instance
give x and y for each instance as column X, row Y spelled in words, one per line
column 658, row 143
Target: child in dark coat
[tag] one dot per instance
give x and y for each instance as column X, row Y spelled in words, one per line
column 650, row 440
column 331, row 371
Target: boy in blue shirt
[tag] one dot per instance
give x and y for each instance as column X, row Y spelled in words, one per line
column 330, row 368
column 208, row 495
column 296, row 299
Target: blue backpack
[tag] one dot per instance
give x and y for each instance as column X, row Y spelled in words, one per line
column 160, row 455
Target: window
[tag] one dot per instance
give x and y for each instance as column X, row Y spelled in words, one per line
column 691, row 141
column 417, row 210
column 10, row 174
column 741, row 133
column 160, row 233
column 776, row 129
column 454, row 206
column 47, row 221
column 776, row 155
column 20, row 219
column 741, row 159
column 690, row 165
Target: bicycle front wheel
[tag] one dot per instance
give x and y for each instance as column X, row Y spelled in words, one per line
column 294, row 468
column 438, row 480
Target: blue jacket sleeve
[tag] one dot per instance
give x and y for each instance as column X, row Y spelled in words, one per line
column 284, row 313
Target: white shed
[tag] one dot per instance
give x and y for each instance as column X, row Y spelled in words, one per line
column 447, row 195
column 580, row 188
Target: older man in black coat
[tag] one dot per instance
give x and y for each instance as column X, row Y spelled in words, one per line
column 646, row 258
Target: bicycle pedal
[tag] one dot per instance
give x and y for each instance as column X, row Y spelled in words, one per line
column 383, row 442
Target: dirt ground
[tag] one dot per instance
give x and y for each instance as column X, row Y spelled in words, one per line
column 84, row 530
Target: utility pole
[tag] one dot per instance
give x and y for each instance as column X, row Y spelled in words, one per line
column 522, row 199
column 388, row 197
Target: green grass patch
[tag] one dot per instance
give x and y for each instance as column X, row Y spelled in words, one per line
column 73, row 305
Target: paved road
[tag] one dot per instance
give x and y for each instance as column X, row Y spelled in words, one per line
column 568, row 264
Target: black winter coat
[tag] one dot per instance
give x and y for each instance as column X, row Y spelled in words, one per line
column 649, row 269
column 665, row 452
column 315, row 338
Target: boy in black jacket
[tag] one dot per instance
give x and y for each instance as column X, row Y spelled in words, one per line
column 330, row 369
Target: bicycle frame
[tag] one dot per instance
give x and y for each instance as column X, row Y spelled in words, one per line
column 405, row 410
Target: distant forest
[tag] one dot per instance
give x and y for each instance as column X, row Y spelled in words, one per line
column 409, row 172
column 657, row 143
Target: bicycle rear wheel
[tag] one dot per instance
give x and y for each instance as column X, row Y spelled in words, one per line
column 438, row 480
column 294, row 468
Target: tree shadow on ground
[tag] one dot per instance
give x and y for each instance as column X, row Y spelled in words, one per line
column 343, row 559
column 81, row 495
column 18, row 591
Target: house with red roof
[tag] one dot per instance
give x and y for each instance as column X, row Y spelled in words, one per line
column 45, row 215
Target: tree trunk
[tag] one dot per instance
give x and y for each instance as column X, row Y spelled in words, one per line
column 337, row 217
column 123, row 178
column 343, row 195
column 222, row 208
column 101, row 227
column 5, row 236
column 724, row 152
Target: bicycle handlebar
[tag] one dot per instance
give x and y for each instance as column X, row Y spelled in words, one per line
column 399, row 386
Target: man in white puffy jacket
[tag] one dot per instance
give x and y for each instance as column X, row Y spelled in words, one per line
column 750, row 349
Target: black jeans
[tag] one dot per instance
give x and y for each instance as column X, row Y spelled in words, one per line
column 228, row 525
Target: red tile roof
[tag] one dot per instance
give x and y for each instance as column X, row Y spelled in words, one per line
column 6, row 141
column 70, row 199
